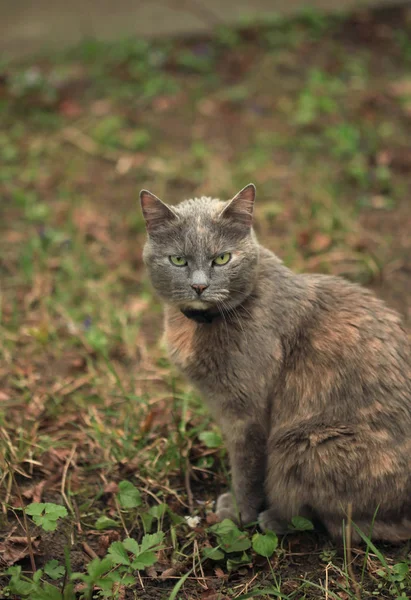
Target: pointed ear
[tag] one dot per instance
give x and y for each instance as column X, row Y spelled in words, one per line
column 240, row 208
column 155, row 212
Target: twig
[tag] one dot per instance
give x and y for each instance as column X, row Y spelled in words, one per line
column 348, row 536
column 126, row 531
column 196, row 551
column 64, row 477
column 326, row 581
column 89, row 551
column 140, row 580
column 188, row 485
column 26, row 525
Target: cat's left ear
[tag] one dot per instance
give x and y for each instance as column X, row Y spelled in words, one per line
column 240, row 208
column 155, row 212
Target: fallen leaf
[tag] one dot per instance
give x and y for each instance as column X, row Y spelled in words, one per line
column 70, row 108
column 168, row 573
column 4, row 397
column 402, row 87
column 35, row 492
column 105, row 540
column 320, row 242
column 16, row 548
column 13, row 236
column 101, row 107
column 111, row 488
column 212, row 519
column 220, row 573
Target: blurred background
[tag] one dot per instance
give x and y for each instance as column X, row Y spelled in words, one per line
column 185, row 98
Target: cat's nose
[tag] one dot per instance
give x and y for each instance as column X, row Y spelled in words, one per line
column 199, row 287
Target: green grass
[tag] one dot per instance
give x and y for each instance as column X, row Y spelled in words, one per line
column 319, row 120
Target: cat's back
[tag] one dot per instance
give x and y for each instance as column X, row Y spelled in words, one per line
column 347, row 317
column 350, row 355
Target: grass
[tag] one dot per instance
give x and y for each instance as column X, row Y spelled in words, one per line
column 315, row 111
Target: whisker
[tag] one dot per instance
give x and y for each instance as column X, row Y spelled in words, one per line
column 221, row 305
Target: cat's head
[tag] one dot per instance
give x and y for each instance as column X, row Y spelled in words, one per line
column 201, row 254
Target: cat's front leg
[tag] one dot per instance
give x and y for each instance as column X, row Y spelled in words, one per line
column 246, row 444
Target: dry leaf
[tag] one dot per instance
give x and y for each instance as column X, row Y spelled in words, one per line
column 35, row 492
column 212, row 519
column 402, row 87
column 320, row 242
column 16, row 548
column 220, row 573
column 111, row 488
column 70, row 108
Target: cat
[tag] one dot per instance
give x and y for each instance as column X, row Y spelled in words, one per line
column 308, row 376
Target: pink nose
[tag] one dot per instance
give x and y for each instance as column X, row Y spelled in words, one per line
column 199, row 288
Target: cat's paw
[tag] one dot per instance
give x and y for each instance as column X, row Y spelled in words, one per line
column 226, row 507
column 268, row 521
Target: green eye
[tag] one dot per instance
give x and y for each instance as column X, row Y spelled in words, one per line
column 222, row 259
column 178, row 261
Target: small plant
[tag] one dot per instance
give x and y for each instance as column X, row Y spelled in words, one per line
column 233, row 545
column 36, row 588
column 399, row 579
column 46, row 515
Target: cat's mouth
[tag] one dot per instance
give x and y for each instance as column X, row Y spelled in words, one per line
column 196, row 305
column 200, row 311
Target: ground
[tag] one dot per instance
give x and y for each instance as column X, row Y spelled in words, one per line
column 317, row 113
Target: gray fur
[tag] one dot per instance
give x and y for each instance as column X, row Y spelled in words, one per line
column 308, row 376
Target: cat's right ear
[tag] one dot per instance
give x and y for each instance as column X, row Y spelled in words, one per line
column 240, row 208
column 155, row 212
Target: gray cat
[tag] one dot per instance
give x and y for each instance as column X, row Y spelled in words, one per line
column 308, row 376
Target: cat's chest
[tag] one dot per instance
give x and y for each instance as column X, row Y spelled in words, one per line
column 222, row 363
column 196, row 349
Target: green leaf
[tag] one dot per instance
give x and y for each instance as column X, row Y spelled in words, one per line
column 98, row 567
column 35, row 508
column 131, row 545
column 55, row 511
column 158, row 511
column 37, row 575
column 104, row 522
column 211, row 439
column 128, row 495
column 229, row 537
column 213, row 553
column 301, row 524
column 45, row 523
column 46, row 515
column 400, row 571
column 152, row 541
column 147, row 520
column 47, row 592
column 118, row 554
column 238, row 561
column 23, row 588
column 14, row 571
column 53, row 569
column 224, row 527
column 265, row 544
column 128, row 580
column 145, row 559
